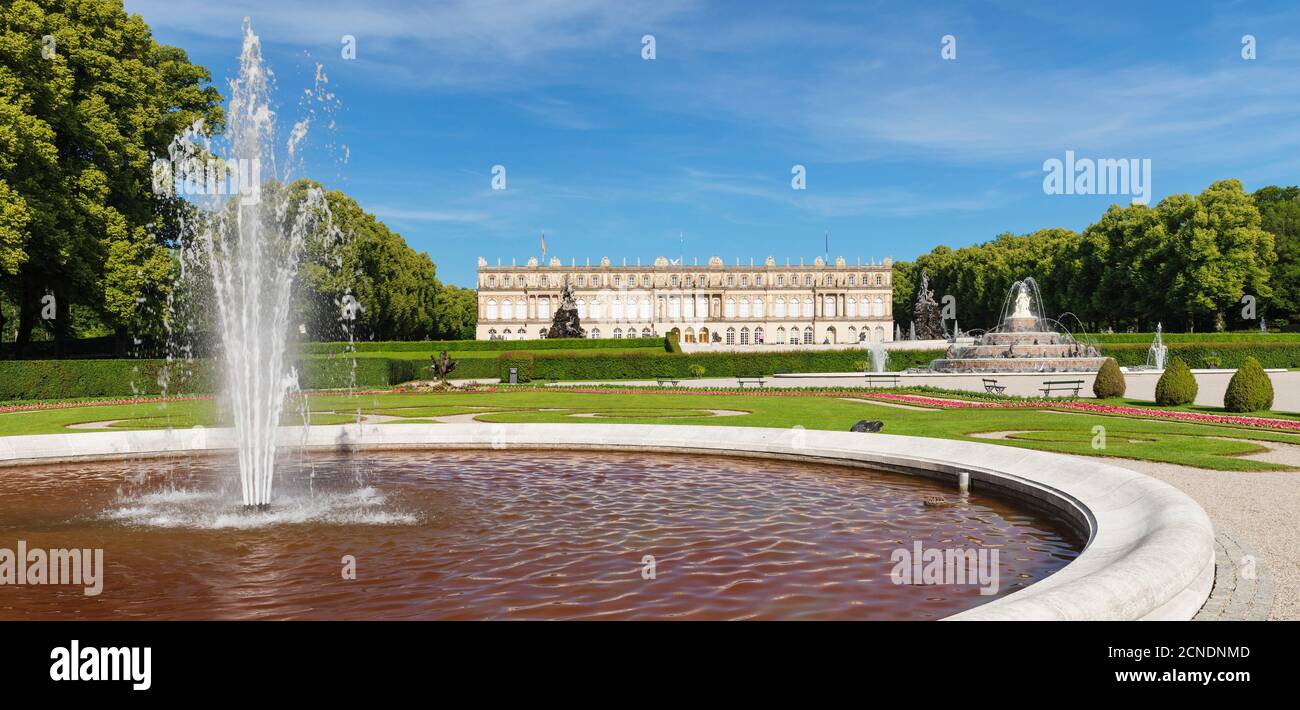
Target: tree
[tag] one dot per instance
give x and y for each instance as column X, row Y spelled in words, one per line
column 1279, row 211
column 87, row 98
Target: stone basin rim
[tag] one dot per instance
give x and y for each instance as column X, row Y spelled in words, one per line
column 1149, row 552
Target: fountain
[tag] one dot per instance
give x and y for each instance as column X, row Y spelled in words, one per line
column 1158, row 352
column 879, row 357
column 248, row 246
column 1023, row 341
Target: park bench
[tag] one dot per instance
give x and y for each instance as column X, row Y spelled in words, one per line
column 991, row 385
column 667, row 380
column 875, row 379
column 1072, row 386
column 750, row 380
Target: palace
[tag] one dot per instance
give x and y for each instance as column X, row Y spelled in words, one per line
column 713, row 304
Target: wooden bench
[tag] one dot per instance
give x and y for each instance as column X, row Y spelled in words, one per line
column 889, row 378
column 742, row 381
column 991, row 385
column 1072, row 386
column 668, row 380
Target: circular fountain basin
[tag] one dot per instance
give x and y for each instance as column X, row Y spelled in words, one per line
column 1147, row 549
column 511, row 535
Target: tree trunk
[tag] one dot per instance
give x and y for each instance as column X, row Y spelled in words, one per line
column 62, row 325
column 28, row 310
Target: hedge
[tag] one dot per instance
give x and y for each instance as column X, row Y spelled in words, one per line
column 1210, row 355
column 72, row 379
column 433, row 346
column 649, row 364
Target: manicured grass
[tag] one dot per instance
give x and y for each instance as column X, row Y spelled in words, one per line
column 1171, row 442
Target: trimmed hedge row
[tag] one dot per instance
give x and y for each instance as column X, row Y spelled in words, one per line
column 1210, row 355
column 71, row 379
column 1241, row 336
column 648, row 365
column 433, row 346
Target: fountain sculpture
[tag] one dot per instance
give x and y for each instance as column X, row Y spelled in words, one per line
column 1023, row 341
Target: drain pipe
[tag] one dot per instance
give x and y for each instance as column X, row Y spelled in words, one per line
column 963, row 482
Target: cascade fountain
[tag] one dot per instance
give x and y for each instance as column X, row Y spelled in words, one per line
column 1158, row 352
column 248, row 244
column 1023, row 341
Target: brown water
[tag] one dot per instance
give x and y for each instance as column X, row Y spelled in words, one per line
column 508, row 535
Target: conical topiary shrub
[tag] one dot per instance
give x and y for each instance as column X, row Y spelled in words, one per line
column 1110, row 381
column 1250, row 389
column 1177, row 385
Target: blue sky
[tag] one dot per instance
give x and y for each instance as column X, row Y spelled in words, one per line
column 613, row 155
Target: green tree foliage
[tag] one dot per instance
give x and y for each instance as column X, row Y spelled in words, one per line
column 1250, row 389
column 87, row 99
column 1279, row 210
column 1176, row 386
column 1110, row 381
column 397, row 287
column 1187, row 261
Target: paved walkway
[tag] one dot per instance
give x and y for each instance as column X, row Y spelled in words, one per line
column 1254, row 514
column 1243, row 589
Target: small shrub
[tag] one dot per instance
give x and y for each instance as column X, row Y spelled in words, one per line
column 860, row 365
column 696, row 370
column 1177, row 385
column 1250, row 390
column 1110, row 381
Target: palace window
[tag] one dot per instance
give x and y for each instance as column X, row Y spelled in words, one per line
column 674, row 280
column 731, row 308
column 596, row 310
column 744, row 280
column 618, row 333
column 731, row 336
column 830, row 280
column 618, row 281
column 780, row 280
column 492, row 334
column 851, row 279
column 828, row 306
column 808, row 335
column 851, row 307
column 780, row 336
column 507, row 310
column 492, row 309
column 744, row 336
column 645, row 332
column 595, row 333
column 645, row 308
column 544, row 307
column 779, row 308
column 744, row 308
column 877, row 279
column 758, row 308
column 731, row 279
column 758, row 280
column 807, row 280
column 582, row 308
column 618, row 310
column 758, row 336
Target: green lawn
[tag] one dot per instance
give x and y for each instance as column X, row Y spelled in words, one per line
column 1207, row 446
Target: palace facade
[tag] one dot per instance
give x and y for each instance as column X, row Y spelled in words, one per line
column 712, row 304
